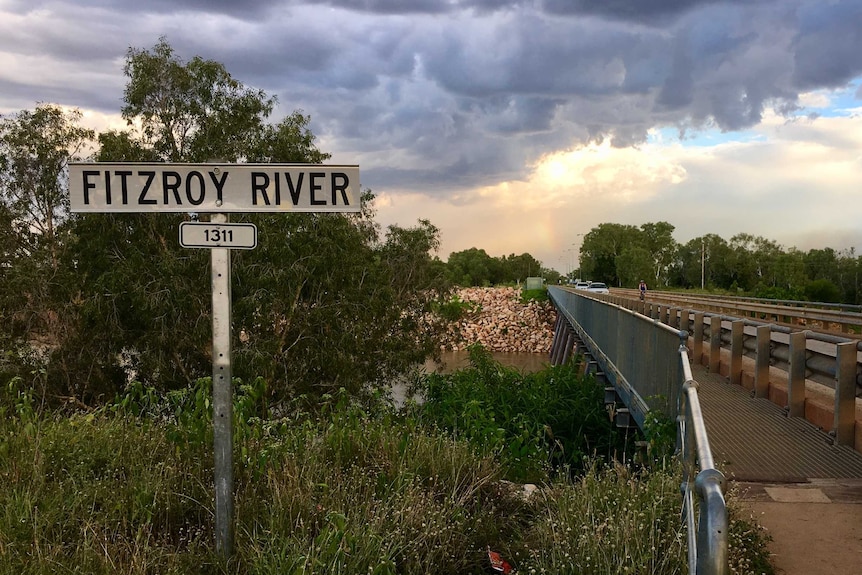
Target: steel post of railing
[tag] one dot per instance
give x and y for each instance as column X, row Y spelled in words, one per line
column 715, row 344
column 685, row 320
column 796, row 375
column 713, row 524
column 697, row 344
column 736, row 349
column 761, row 375
column 845, row 394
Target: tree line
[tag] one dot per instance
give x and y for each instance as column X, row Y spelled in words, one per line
column 474, row 267
column 622, row 255
column 87, row 301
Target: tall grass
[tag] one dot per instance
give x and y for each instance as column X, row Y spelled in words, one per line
column 349, row 489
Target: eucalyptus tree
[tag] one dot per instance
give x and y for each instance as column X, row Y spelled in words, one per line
column 686, row 269
column 472, row 267
column 322, row 303
column 719, row 265
column 847, row 275
column 35, row 147
column 662, row 249
column 518, row 268
column 634, row 264
column 602, row 246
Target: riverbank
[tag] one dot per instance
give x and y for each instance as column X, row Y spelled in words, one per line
column 502, row 322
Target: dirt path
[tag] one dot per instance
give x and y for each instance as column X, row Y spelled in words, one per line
column 816, row 527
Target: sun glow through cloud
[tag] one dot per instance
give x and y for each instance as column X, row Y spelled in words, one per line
column 738, row 185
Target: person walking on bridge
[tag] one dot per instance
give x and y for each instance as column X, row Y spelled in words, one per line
column 642, row 288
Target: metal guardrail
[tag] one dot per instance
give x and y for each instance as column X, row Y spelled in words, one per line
column 808, row 357
column 791, row 313
column 708, row 536
column 619, row 339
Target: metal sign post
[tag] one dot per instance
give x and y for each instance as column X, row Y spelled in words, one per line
column 222, row 395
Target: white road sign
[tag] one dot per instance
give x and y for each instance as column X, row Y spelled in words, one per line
column 211, row 235
column 215, row 188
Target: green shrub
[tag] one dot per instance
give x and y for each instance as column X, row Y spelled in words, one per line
column 823, row 290
column 778, row 293
column 530, row 420
column 534, row 295
column 456, row 308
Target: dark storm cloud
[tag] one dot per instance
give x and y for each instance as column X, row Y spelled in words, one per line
column 643, row 11
column 75, row 97
column 828, row 46
column 244, row 9
column 521, row 115
column 426, row 6
column 392, row 6
column 451, row 93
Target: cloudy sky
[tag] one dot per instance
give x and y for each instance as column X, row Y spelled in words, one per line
column 517, row 125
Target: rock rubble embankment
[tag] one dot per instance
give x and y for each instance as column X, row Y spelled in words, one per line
column 502, row 322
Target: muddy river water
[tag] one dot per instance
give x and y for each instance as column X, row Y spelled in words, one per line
column 524, row 362
column 454, row 360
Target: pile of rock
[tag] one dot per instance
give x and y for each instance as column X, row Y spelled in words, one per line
column 502, row 322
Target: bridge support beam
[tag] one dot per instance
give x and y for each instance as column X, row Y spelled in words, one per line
column 569, row 346
column 564, row 342
column 558, row 326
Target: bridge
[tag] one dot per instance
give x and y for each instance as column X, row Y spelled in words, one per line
column 761, row 392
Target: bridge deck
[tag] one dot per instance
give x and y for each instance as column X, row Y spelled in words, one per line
column 753, row 440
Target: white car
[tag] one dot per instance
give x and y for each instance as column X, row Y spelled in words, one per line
column 598, row 287
column 582, row 285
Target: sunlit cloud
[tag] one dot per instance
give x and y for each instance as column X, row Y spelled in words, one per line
column 726, row 188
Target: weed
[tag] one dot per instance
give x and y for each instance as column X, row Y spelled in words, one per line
column 552, row 417
column 455, row 308
column 528, row 295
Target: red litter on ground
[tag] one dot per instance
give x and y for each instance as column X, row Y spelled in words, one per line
column 497, row 562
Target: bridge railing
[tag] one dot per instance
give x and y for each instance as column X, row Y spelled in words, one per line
column 647, row 363
column 707, row 535
column 812, row 361
column 791, row 313
column 637, row 355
